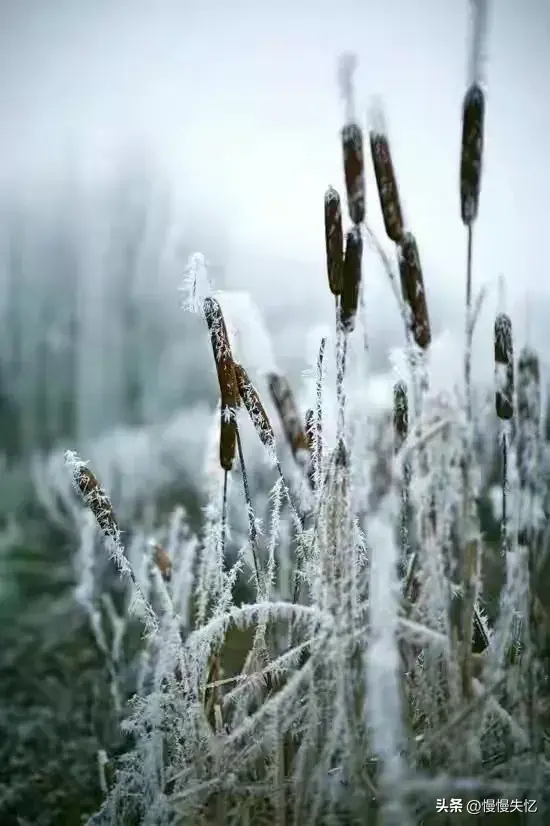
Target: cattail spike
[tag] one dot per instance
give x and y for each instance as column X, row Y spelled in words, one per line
column 400, row 414
column 349, row 299
column 334, row 240
column 412, row 286
column 226, row 378
column 473, row 115
column 385, row 177
column 94, row 496
column 354, row 171
column 283, row 399
column 254, row 407
column 504, row 367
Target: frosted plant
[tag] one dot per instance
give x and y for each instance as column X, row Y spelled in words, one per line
column 321, row 651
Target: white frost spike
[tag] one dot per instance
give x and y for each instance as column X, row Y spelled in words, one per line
column 478, row 37
column 248, row 335
column 377, row 117
column 347, row 66
column 196, row 285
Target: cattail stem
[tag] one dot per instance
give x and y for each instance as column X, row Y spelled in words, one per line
column 252, row 532
column 468, row 349
column 504, row 537
column 223, row 532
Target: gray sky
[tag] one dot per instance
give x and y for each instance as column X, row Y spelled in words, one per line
column 239, row 103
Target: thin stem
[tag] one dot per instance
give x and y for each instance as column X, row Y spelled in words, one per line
column 252, row 532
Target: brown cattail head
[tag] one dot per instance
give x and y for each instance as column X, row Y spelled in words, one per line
column 95, row 498
column 387, row 184
column 162, row 561
column 354, row 171
column 473, row 114
column 334, row 240
column 349, row 299
column 504, row 367
column 283, row 399
column 226, row 378
column 254, row 407
column 400, row 414
column 412, row 287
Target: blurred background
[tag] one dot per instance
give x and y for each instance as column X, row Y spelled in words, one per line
column 136, row 133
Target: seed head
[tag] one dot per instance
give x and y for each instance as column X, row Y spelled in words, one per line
column 354, row 171
column 225, row 368
column 294, row 430
column 400, row 414
column 504, row 367
column 412, row 287
column 334, row 240
column 254, row 407
column 386, row 182
column 349, row 299
column 473, row 114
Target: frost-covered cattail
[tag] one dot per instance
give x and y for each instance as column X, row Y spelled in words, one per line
column 254, row 407
column 412, row 287
column 354, row 171
column 162, row 561
column 473, row 113
column 293, row 428
column 334, row 240
column 400, row 414
column 385, row 176
column 226, row 378
column 94, row 496
column 349, row 299
column 352, row 143
column 504, row 367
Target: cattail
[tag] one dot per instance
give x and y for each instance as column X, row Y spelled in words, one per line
column 283, row 399
column 349, row 299
column 412, row 287
column 95, row 498
column 310, row 426
column 254, row 407
column 386, row 180
column 473, row 112
column 504, row 367
column 400, row 414
column 334, row 240
column 163, row 562
column 226, row 378
column 354, row 171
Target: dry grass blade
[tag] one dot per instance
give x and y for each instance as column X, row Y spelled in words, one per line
column 504, row 367
column 334, row 240
column 254, row 407
column 473, row 113
column 349, row 300
column 226, row 378
column 354, row 171
column 412, row 286
column 294, row 430
column 386, row 181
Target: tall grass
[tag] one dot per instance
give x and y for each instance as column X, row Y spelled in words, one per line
column 327, row 658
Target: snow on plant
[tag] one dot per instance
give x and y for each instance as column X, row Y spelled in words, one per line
column 321, row 653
